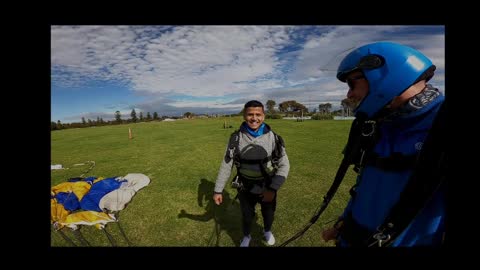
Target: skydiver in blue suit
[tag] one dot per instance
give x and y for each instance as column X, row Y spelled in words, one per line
column 388, row 84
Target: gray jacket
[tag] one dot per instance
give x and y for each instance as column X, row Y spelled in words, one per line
column 252, row 148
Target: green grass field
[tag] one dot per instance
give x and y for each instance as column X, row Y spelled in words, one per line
column 177, row 156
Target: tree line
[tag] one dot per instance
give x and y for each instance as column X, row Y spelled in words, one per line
column 296, row 109
column 100, row 122
column 285, row 108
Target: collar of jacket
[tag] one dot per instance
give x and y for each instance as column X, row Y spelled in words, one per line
column 243, row 128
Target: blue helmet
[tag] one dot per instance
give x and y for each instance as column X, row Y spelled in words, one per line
column 389, row 68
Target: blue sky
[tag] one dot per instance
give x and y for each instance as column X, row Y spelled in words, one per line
column 171, row 70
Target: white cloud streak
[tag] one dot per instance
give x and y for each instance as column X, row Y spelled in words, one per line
column 220, row 61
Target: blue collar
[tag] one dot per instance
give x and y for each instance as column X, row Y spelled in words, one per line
column 255, row 133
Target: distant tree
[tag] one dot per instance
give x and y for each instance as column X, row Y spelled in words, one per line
column 90, row 122
column 292, row 106
column 141, row 116
column 324, row 108
column 118, row 117
column 270, row 106
column 149, row 117
column 59, row 125
column 188, row 115
column 342, row 103
column 83, row 121
column 347, row 106
column 53, row 126
column 133, row 114
column 328, row 107
column 155, row 116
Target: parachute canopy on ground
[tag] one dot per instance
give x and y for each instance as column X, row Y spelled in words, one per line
column 92, row 200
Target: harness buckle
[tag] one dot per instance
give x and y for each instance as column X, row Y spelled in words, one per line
column 231, row 152
column 368, row 130
column 275, row 162
column 381, row 237
column 236, row 183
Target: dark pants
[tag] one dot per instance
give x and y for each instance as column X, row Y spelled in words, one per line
column 248, row 201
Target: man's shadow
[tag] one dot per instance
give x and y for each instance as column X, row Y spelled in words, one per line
column 227, row 216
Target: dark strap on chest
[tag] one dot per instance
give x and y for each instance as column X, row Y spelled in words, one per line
column 395, row 162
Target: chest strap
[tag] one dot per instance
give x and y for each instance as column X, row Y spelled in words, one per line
column 395, row 162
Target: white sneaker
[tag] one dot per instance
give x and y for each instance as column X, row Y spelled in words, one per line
column 246, row 241
column 270, row 238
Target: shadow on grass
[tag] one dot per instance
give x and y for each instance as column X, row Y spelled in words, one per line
column 227, row 216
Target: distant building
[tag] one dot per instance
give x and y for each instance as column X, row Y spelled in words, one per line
column 343, row 117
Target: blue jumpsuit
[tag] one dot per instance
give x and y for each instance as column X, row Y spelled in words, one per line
column 378, row 190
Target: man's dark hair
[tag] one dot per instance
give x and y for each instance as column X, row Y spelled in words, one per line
column 253, row 103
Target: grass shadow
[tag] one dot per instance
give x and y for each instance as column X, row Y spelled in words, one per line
column 227, row 216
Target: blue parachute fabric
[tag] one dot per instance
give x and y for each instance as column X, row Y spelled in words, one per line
column 69, row 200
column 88, row 179
column 92, row 199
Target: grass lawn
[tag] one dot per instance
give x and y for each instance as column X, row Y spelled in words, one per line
column 177, row 155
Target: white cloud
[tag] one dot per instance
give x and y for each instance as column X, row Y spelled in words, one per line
column 192, row 60
column 218, row 61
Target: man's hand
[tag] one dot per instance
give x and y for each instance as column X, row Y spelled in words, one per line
column 329, row 234
column 332, row 232
column 268, row 195
column 217, row 198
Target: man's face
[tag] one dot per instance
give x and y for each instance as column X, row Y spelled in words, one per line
column 357, row 87
column 254, row 117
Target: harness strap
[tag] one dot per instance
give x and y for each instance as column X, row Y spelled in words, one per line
column 232, row 150
column 277, row 151
column 395, row 162
column 256, row 161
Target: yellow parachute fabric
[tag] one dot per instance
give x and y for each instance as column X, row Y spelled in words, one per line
column 98, row 179
column 58, row 212
column 99, row 219
column 79, row 188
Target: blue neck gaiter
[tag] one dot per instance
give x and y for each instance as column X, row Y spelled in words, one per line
column 255, row 133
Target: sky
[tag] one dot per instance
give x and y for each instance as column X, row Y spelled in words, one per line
column 211, row 69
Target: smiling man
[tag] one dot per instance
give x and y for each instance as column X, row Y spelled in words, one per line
column 262, row 167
